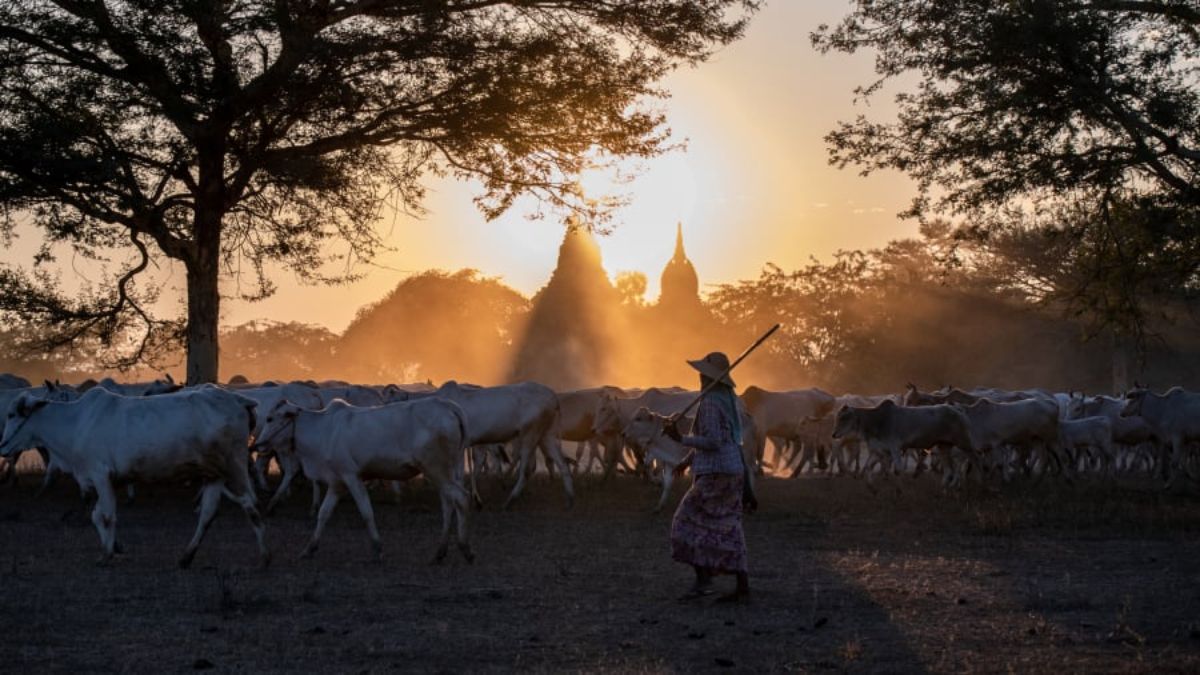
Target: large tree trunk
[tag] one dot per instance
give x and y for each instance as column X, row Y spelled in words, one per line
column 203, row 275
column 203, row 319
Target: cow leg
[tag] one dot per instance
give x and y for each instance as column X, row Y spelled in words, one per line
column 524, row 451
column 447, row 515
column 104, row 517
column 359, row 492
column 49, row 477
column 285, row 486
column 316, row 499
column 262, row 463
column 589, row 454
column 668, row 478
column 210, row 498
column 760, row 445
column 331, row 499
column 246, row 500
column 459, row 497
column 552, row 451
column 517, row 466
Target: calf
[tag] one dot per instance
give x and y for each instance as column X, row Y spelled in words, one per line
column 343, row 445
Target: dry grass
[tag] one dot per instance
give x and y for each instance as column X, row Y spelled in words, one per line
column 1025, row 580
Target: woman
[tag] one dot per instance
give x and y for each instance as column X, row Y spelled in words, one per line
column 706, row 532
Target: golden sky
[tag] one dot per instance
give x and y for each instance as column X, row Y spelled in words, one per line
column 753, row 186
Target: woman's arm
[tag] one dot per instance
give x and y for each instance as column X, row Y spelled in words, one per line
column 707, row 433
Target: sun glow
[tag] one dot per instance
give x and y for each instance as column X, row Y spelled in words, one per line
column 658, row 193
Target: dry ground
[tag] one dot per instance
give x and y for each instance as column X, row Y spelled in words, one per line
column 1028, row 580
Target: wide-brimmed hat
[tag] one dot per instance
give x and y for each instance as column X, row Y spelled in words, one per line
column 714, row 366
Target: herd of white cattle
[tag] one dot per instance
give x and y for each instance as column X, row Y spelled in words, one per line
column 340, row 436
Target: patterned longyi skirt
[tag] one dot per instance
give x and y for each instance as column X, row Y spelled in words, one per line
column 707, row 528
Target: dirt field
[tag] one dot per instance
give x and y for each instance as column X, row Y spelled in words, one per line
column 844, row 581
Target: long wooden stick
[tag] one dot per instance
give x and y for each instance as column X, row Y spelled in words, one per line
column 728, row 370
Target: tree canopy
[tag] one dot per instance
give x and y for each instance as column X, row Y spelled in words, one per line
column 1076, row 121
column 230, row 135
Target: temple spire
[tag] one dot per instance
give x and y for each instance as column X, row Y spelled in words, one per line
column 680, row 285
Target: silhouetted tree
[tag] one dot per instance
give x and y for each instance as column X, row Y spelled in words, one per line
column 438, row 326
column 1078, row 120
column 271, row 350
column 229, row 135
column 631, row 287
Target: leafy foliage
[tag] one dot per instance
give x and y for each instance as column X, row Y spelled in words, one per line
column 234, row 135
column 435, row 325
column 1068, row 126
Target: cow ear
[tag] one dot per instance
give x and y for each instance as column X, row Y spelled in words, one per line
column 48, row 384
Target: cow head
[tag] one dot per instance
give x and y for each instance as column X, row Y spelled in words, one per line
column 17, row 433
column 394, row 394
column 645, row 433
column 846, row 424
column 644, row 428
column 1075, row 405
column 1134, row 401
column 914, row 397
column 278, row 428
column 166, row 385
column 606, row 421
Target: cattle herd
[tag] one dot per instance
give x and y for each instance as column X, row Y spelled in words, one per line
column 341, row 437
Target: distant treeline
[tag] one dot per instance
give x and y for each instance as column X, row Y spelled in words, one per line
column 867, row 322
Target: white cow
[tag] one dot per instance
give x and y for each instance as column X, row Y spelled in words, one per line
column 1174, row 418
column 10, row 381
column 1091, row 435
column 577, row 423
column 1132, row 434
column 525, row 414
column 889, row 429
column 1027, row 426
column 613, row 415
column 166, row 385
column 267, row 398
column 50, row 392
column 778, row 414
column 104, row 438
column 645, row 430
column 343, row 445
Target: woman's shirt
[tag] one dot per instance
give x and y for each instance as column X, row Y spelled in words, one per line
column 717, row 451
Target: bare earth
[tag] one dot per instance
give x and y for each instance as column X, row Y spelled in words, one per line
column 1047, row 579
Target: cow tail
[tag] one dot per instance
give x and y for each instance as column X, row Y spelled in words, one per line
column 464, row 447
